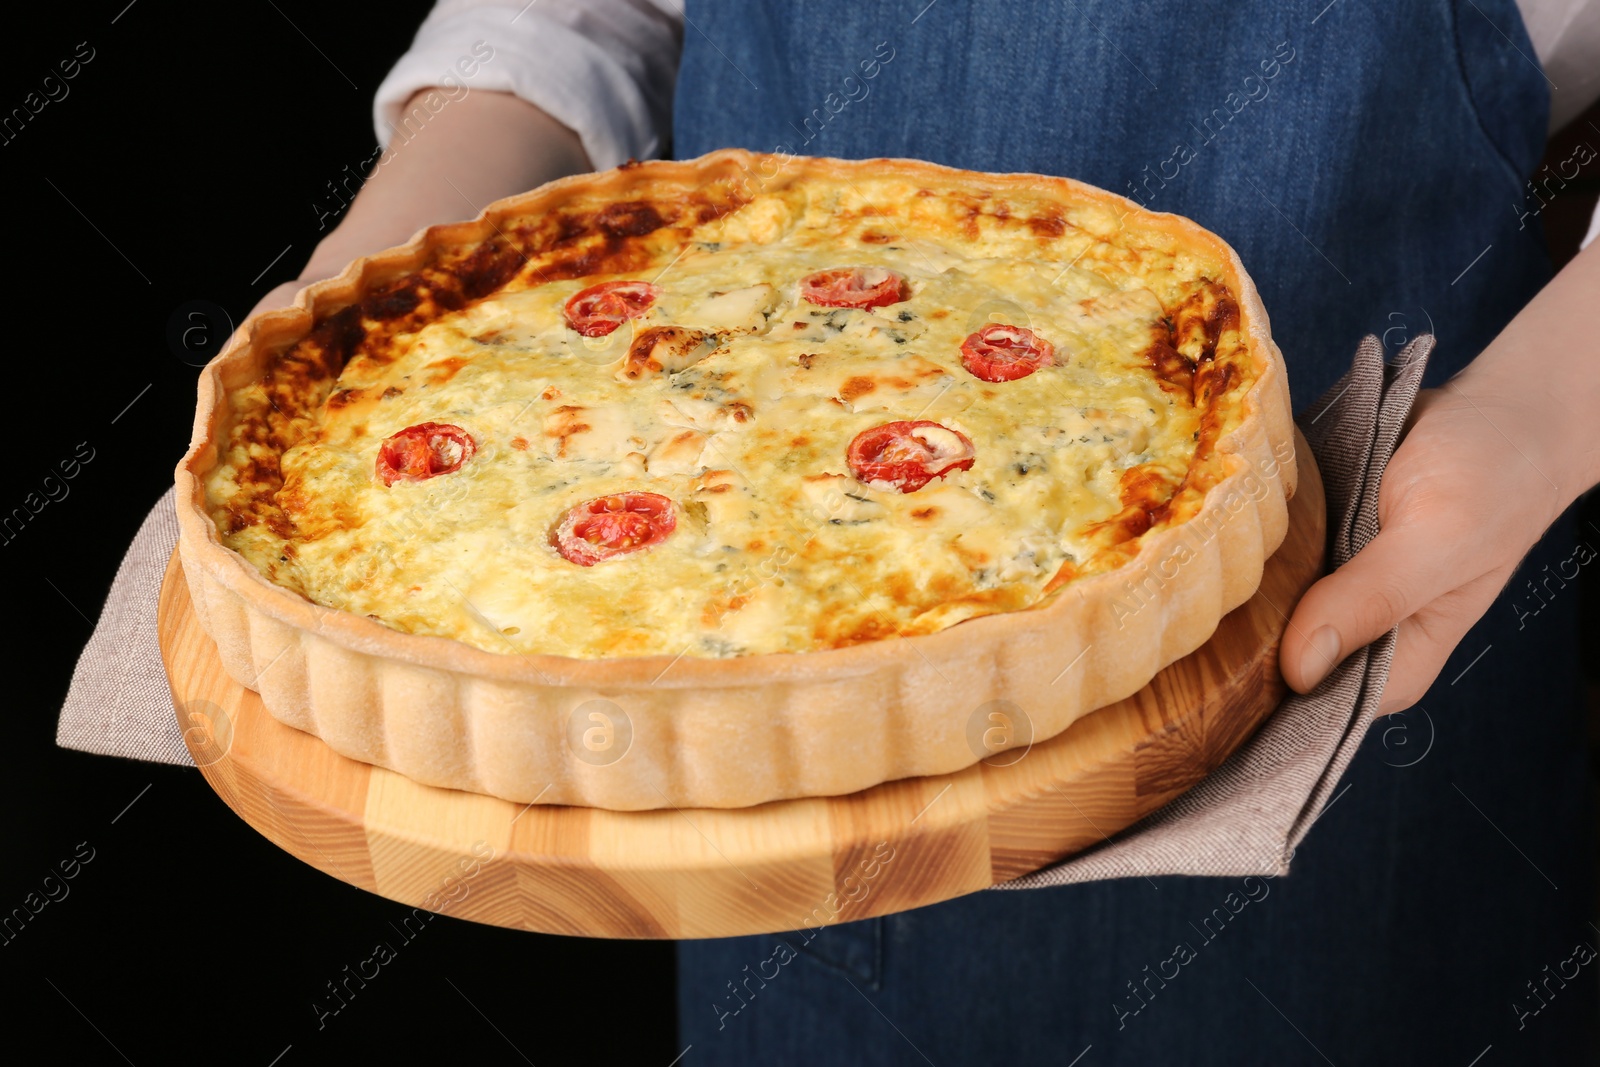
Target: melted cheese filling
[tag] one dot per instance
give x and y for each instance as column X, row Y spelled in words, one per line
column 742, row 416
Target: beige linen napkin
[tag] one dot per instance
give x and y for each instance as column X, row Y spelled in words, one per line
column 1245, row 818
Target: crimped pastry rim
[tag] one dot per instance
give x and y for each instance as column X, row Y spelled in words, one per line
column 1265, row 402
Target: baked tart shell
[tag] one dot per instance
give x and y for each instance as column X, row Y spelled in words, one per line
column 737, row 731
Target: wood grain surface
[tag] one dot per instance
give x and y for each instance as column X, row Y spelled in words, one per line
column 779, row 866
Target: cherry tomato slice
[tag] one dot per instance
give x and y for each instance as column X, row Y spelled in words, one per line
column 424, row 451
column 599, row 309
column 853, row 287
column 909, row 455
column 612, row 526
column 1001, row 353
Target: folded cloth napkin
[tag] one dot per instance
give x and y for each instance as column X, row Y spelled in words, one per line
column 1246, row 817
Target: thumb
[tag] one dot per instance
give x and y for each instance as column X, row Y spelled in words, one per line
column 1400, row 571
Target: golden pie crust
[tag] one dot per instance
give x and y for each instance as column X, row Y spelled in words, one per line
column 640, row 732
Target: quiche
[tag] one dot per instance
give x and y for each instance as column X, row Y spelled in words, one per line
column 771, row 470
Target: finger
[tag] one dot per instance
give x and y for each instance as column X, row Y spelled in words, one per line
column 1427, row 639
column 1404, row 568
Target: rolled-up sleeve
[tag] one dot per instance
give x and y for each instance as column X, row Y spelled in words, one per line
column 603, row 68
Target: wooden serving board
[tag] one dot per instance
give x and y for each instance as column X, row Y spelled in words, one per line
column 779, row 866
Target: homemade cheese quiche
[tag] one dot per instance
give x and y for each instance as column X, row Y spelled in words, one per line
column 781, row 467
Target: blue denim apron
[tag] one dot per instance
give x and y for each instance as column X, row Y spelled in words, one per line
column 1368, row 161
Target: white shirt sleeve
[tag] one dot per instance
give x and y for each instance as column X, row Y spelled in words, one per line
column 1566, row 38
column 603, row 68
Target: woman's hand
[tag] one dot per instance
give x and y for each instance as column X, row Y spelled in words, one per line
column 1459, row 507
column 281, row 296
column 1487, row 463
column 455, row 157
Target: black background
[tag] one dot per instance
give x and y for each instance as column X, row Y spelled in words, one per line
column 187, row 153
